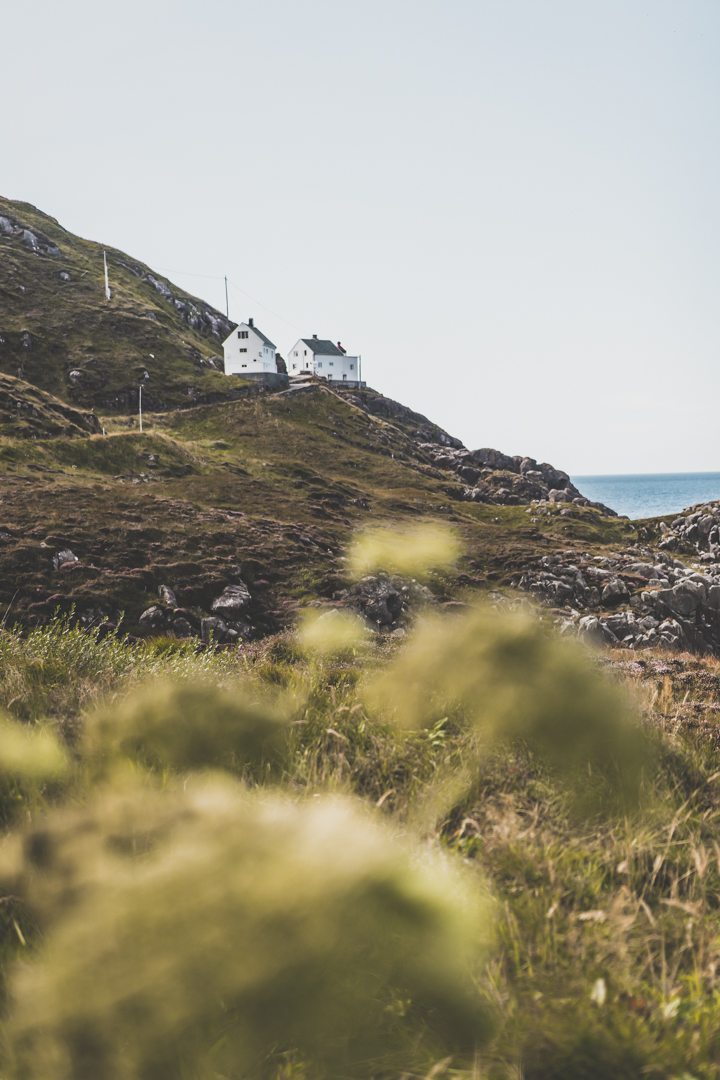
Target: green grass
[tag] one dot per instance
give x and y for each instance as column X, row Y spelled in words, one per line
column 73, row 327
column 606, row 952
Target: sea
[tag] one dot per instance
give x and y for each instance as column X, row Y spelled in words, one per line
column 645, row 495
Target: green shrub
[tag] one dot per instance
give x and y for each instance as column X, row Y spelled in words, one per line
column 182, row 725
column 205, row 932
column 509, row 679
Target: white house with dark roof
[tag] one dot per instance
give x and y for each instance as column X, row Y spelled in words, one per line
column 248, row 352
column 319, row 357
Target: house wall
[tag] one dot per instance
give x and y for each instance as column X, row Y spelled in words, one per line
column 337, row 368
column 303, row 361
column 258, row 357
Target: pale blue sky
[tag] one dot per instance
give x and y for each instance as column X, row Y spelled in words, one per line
column 511, row 209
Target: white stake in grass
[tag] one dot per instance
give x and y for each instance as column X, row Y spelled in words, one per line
column 140, row 408
column 107, row 282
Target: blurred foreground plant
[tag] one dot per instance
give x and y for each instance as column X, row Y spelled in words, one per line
column 510, row 679
column 333, row 633
column 181, row 725
column 413, row 552
column 33, row 766
column 201, row 931
column 29, row 752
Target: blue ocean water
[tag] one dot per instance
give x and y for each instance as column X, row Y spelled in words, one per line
column 650, row 494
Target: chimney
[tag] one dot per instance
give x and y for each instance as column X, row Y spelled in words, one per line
column 341, row 348
column 250, row 322
column 314, row 337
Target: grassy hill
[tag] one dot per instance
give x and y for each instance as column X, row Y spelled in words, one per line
column 59, row 332
column 271, row 488
column 227, row 482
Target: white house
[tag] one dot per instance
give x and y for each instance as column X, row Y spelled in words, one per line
column 323, row 358
column 248, row 352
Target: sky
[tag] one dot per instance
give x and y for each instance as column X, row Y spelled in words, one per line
column 509, row 208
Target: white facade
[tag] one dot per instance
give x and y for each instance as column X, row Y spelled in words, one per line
column 322, row 358
column 247, row 351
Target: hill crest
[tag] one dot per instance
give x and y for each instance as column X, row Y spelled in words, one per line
column 59, row 332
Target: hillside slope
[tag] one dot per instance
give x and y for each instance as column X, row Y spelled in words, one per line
column 266, row 491
column 234, row 507
column 58, row 331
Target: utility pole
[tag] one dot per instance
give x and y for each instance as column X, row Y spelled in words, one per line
column 107, row 283
column 227, row 302
column 140, row 408
column 360, row 372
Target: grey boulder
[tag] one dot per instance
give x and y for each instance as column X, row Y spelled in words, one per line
column 684, row 598
column 64, row 558
column 234, row 600
column 615, row 592
column 153, row 618
column 167, row 596
column 384, row 604
column 213, row 629
column 590, row 631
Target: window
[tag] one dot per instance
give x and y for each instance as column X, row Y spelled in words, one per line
column 331, row 363
column 242, row 333
column 352, row 366
column 243, row 350
column 295, row 367
column 305, row 352
column 319, row 363
column 295, row 353
column 244, row 365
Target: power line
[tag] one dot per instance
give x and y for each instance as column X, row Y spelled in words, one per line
column 185, row 273
column 218, row 277
column 269, row 310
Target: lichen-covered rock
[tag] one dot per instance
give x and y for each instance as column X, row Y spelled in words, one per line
column 153, row 618
column 234, row 600
column 64, row 558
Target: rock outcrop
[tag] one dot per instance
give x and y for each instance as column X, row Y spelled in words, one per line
column 493, row 477
column 36, row 241
column 411, row 423
column 697, row 529
column 387, row 602
column 227, row 624
column 641, row 599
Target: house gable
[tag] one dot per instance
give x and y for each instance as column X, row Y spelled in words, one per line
column 247, row 350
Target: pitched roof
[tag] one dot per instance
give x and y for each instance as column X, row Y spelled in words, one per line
column 258, row 332
column 323, row 348
column 265, row 339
